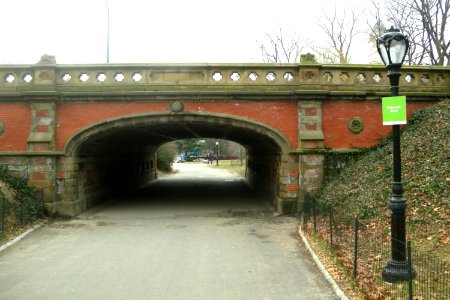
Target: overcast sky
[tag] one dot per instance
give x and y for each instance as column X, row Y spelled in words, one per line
column 150, row 31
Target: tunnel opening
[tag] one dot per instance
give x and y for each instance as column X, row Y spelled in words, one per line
column 118, row 156
column 198, row 190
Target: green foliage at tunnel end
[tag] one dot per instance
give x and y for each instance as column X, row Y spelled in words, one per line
column 165, row 156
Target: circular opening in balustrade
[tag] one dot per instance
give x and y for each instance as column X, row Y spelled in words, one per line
column 137, row 77
column 327, row 76
column 235, row 76
column 9, row 78
column 271, row 76
column 66, row 77
column 361, row 78
column 119, row 77
column 288, row 76
column 344, row 76
column 409, row 78
column 425, row 78
column 27, row 78
column 253, row 76
column 217, row 76
column 377, row 77
column 84, row 77
column 101, row 77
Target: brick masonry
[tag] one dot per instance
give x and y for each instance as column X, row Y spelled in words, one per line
column 299, row 112
column 304, row 129
column 310, row 135
column 36, row 132
column 42, row 132
column 75, row 116
column 336, row 115
column 17, row 122
column 41, row 175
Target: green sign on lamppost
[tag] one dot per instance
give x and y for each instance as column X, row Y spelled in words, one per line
column 392, row 47
column 394, row 110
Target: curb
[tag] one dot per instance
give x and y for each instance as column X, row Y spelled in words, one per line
column 18, row 238
column 321, row 267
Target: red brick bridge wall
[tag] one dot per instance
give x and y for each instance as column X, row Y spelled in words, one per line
column 73, row 117
column 53, row 129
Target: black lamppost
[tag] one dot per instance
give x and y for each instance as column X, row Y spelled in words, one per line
column 392, row 47
column 217, row 153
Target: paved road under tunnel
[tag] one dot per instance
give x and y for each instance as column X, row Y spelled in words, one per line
column 199, row 234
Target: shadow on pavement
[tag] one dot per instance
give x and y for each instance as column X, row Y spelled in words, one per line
column 199, row 190
column 194, row 195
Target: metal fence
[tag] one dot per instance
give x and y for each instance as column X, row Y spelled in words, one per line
column 364, row 252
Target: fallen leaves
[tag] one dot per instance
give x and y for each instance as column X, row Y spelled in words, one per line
column 363, row 189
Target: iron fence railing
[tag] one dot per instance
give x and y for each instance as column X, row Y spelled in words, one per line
column 364, row 252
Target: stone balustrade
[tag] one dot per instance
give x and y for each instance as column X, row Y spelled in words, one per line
column 255, row 77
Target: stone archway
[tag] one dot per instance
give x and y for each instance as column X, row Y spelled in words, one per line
column 106, row 150
column 154, row 119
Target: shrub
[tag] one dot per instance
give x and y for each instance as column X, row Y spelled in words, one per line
column 19, row 204
column 165, row 156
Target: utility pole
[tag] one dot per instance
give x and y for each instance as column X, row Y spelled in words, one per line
column 107, row 33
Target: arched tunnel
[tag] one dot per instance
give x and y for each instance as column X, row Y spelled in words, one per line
column 118, row 156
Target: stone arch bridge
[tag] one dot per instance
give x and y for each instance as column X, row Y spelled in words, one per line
column 77, row 132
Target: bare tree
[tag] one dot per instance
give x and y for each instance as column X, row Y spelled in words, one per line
column 279, row 48
column 376, row 27
column 325, row 55
column 425, row 22
column 403, row 17
column 340, row 31
column 435, row 16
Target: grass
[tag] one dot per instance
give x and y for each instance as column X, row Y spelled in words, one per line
column 234, row 166
column 334, row 266
column 11, row 233
column 363, row 189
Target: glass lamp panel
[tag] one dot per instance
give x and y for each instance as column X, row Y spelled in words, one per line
column 384, row 54
column 397, row 51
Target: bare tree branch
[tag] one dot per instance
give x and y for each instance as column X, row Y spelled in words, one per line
column 340, row 32
column 435, row 16
column 281, row 49
column 426, row 23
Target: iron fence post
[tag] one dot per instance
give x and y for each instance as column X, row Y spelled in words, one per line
column 3, row 213
column 355, row 262
column 331, row 227
column 21, row 211
column 306, row 207
column 314, row 215
column 410, row 272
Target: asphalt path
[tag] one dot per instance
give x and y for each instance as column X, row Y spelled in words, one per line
column 198, row 234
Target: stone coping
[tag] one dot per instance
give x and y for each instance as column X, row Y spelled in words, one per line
column 217, row 77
